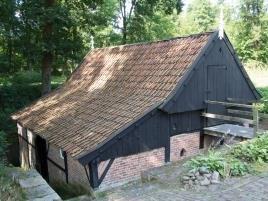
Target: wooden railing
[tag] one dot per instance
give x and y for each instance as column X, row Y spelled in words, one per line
column 250, row 115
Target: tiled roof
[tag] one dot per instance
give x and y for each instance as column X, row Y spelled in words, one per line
column 111, row 88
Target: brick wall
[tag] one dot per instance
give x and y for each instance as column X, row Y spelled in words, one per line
column 125, row 169
column 129, row 168
column 184, row 145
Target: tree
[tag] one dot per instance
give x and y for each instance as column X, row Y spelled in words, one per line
column 136, row 16
column 48, row 55
column 8, row 35
column 199, row 17
column 251, row 37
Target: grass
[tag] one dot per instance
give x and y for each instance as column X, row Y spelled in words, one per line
column 9, row 190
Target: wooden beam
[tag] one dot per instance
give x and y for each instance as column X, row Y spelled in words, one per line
column 240, row 112
column 241, row 101
column 255, row 120
column 106, row 170
column 66, row 167
column 228, row 118
column 87, row 174
column 56, row 164
column 93, row 173
column 228, row 104
column 167, row 151
column 247, row 113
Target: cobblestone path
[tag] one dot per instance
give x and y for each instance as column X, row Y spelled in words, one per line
column 251, row 188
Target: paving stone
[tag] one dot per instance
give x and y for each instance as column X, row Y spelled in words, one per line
column 234, row 189
column 35, row 187
column 39, row 191
column 31, row 182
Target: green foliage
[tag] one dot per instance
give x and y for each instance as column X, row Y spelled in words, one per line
column 255, row 150
column 151, row 28
column 141, row 20
column 199, row 17
column 251, row 33
column 9, row 190
column 237, row 161
column 238, row 168
column 214, row 161
column 22, row 43
column 3, row 145
column 264, row 102
column 217, row 161
column 26, row 77
column 17, row 92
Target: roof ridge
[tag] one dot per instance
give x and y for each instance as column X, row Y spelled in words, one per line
column 157, row 41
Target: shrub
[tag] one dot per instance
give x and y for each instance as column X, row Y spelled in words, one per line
column 18, row 92
column 9, row 189
column 24, row 77
column 214, row 161
column 264, row 101
column 3, row 146
column 220, row 162
column 238, row 168
column 255, row 150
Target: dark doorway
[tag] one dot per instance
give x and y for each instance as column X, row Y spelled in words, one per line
column 41, row 157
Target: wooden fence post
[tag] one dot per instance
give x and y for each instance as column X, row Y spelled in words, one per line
column 255, row 119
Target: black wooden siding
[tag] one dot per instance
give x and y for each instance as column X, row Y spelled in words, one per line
column 149, row 134
column 184, row 122
column 196, row 89
column 153, row 133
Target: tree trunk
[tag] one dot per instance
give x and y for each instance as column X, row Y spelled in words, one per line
column 46, row 72
column 48, row 53
column 124, row 31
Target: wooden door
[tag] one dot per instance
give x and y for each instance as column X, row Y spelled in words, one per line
column 216, row 89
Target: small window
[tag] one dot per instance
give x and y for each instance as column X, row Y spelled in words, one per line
column 183, row 152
